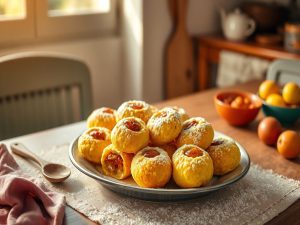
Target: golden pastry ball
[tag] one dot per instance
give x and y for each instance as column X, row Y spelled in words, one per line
column 134, row 108
column 164, row 126
column 116, row 164
column 225, row 154
column 102, row 117
column 183, row 114
column 192, row 166
column 151, row 167
column 130, row 135
column 196, row 131
column 92, row 142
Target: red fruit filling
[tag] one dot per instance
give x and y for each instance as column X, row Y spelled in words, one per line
column 114, row 163
column 151, row 153
column 133, row 125
column 108, row 110
column 136, row 105
column 190, row 124
column 99, row 135
column 193, row 152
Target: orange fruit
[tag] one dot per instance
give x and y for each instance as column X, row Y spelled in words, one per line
column 267, row 88
column 288, row 144
column 237, row 102
column 291, row 93
column 269, row 130
column 241, row 102
column 275, row 100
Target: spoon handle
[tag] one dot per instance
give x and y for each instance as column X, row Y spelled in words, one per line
column 20, row 149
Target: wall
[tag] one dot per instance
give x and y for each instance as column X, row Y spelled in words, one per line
column 102, row 55
column 203, row 16
column 157, row 26
column 145, row 29
column 132, row 49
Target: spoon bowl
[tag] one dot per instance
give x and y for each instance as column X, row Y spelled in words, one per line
column 53, row 172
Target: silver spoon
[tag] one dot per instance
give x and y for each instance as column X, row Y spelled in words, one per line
column 53, row 172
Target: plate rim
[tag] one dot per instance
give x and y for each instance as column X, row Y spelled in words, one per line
column 167, row 191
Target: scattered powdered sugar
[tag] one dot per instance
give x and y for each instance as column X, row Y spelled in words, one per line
column 196, row 132
column 228, row 145
column 184, row 116
column 126, row 110
column 122, row 124
column 186, row 161
column 257, row 198
column 159, row 124
column 171, row 115
column 99, row 117
column 161, row 159
column 100, row 113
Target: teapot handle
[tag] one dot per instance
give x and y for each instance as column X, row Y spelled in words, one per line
column 251, row 28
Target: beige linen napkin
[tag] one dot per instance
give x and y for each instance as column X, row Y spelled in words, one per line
column 256, row 199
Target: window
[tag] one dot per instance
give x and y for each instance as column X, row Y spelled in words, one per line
column 16, row 20
column 29, row 19
column 12, row 10
column 69, row 17
column 71, row 7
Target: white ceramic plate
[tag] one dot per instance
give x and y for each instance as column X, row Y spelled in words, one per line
column 171, row 192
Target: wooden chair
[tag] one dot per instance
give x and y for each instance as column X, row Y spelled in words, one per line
column 284, row 70
column 40, row 91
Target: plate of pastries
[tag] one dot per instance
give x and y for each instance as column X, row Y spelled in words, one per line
column 157, row 154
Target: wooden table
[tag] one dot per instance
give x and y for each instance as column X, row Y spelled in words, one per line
column 200, row 104
column 210, row 47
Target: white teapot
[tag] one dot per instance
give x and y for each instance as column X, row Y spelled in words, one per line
column 236, row 25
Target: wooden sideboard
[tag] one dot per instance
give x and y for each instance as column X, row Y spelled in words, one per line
column 210, row 47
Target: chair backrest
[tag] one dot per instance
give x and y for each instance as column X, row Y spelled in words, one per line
column 40, row 91
column 284, row 70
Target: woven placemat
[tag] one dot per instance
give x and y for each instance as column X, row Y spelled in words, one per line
column 255, row 199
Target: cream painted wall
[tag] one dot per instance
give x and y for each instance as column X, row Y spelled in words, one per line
column 103, row 57
column 132, row 49
column 157, row 26
column 203, row 17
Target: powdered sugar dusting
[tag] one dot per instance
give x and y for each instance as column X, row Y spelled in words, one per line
column 100, row 113
column 183, row 115
column 102, row 117
column 224, row 148
column 164, row 124
column 126, row 110
column 157, row 120
column 194, row 134
column 258, row 197
column 163, row 157
column 187, row 161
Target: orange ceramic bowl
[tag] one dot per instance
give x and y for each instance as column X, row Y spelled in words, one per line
column 237, row 116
